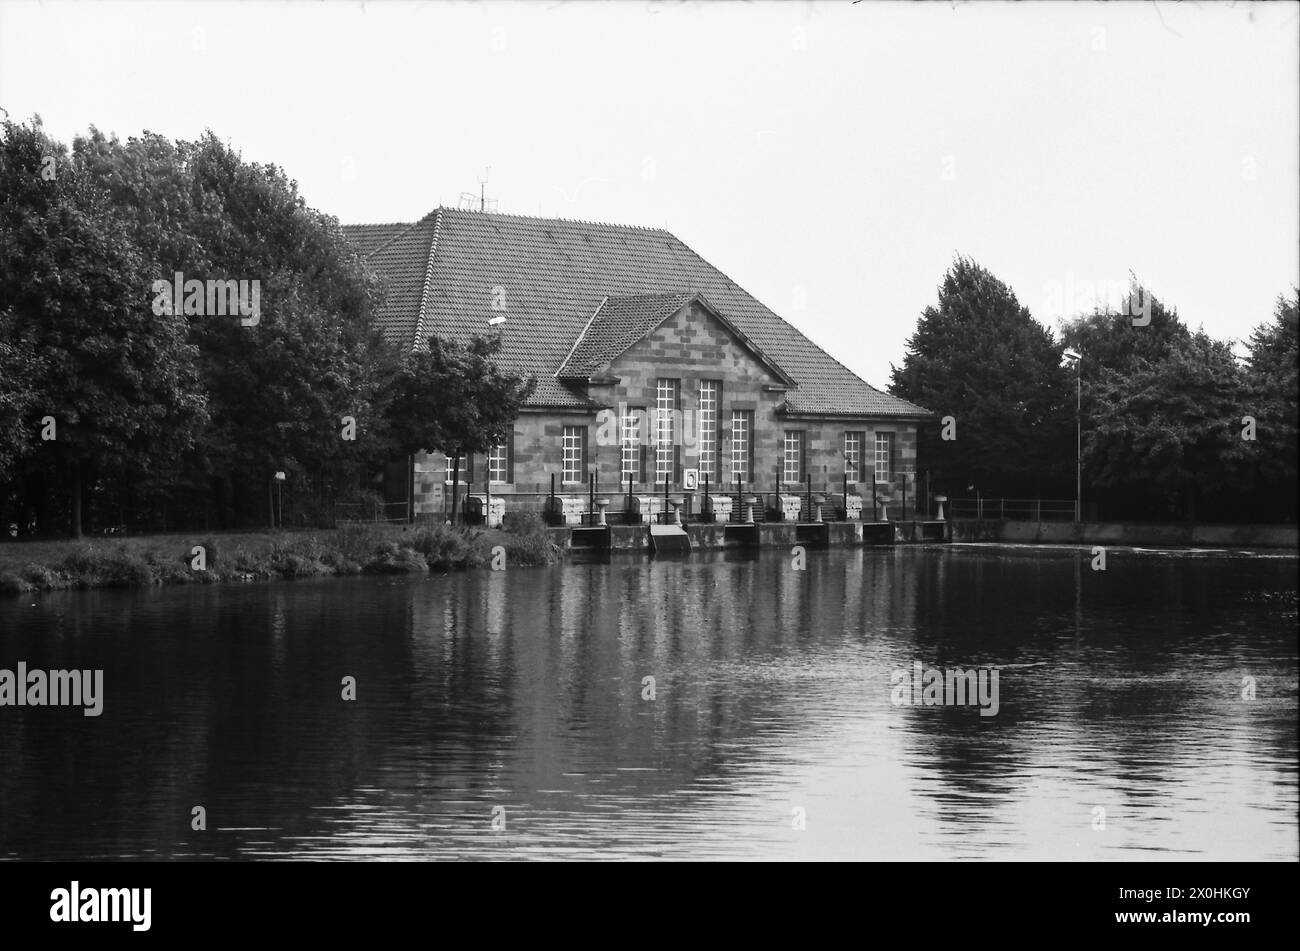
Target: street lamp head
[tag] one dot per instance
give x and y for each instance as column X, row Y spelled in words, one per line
column 1071, row 355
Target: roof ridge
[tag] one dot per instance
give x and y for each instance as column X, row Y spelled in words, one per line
column 405, row 230
column 748, row 342
column 685, row 292
column 380, row 224
column 428, row 280
column 585, row 327
column 572, row 221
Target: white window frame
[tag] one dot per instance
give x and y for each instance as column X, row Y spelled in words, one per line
column 666, row 392
column 571, row 456
column 853, row 446
column 792, row 441
column 741, row 435
column 630, row 445
column 448, row 461
column 498, row 464
column 708, row 422
column 884, row 455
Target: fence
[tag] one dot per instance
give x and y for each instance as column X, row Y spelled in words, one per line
column 345, row 512
column 765, row 501
column 1017, row 510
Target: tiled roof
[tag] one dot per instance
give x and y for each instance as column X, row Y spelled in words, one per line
column 548, row 276
column 618, row 323
column 367, row 238
column 403, row 262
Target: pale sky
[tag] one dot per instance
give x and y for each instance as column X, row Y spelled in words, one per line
column 830, row 158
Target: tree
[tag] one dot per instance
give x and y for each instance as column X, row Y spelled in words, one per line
column 1272, row 392
column 20, row 366
column 456, row 399
column 278, row 391
column 979, row 357
column 1110, row 340
column 1169, row 425
column 118, row 382
column 1164, row 414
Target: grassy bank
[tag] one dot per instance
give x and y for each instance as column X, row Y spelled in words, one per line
column 352, row 550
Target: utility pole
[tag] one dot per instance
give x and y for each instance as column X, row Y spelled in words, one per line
column 1077, row 360
column 1078, row 442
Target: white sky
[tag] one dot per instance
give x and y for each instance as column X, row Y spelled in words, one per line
column 830, row 158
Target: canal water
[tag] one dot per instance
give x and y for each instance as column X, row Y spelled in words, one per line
column 1148, row 711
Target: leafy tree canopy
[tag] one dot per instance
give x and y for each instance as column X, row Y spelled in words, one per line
column 979, row 357
column 119, row 382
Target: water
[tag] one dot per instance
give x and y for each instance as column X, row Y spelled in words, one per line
column 517, row 696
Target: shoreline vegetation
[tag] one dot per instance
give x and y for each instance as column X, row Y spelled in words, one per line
column 355, row 549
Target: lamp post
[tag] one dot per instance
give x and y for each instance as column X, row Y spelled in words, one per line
column 279, row 491
column 1077, row 360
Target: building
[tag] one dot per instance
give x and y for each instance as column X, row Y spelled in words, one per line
column 651, row 364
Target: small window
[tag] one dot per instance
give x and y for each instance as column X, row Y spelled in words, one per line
column 666, row 396
column 464, row 471
column 575, row 455
column 884, row 457
column 498, row 462
column 792, row 459
column 742, row 446
column 853, row 459
column 630, row 444
column 708, row 423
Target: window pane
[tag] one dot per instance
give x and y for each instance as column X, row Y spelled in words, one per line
column 709, row 429
column 630, row 442
column 884, row 457
column 498, row 463
column 853, row 456
column 741, row 434
column 464, row 468
column 792, row 461
column 665, row 406
column 572, row 471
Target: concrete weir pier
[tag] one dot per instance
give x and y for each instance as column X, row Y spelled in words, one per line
column 704, row 535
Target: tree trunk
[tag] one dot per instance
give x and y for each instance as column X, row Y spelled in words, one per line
column 270, row 502
column 76, row 501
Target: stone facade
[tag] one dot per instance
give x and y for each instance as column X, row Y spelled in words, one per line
column 692, row 346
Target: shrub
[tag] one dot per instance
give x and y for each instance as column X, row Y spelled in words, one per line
column 443, row 546
column 88, row 567
column 522, row 523
column 357, row 543
column 243, row 562
column 168, row 570
column 10, row 583
column 528, row 542
column 534, row 549
column 392, row 558
column 296, row 557
column 211, row 554
column 41, row 578
column 82, row 561
column 127, row 569
column 339, row 563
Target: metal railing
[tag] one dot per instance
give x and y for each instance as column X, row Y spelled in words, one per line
column 346, row 512
column 765, row 501
column 1017, row 510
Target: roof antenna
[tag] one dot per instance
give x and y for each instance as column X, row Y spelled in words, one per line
column 467, row 199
